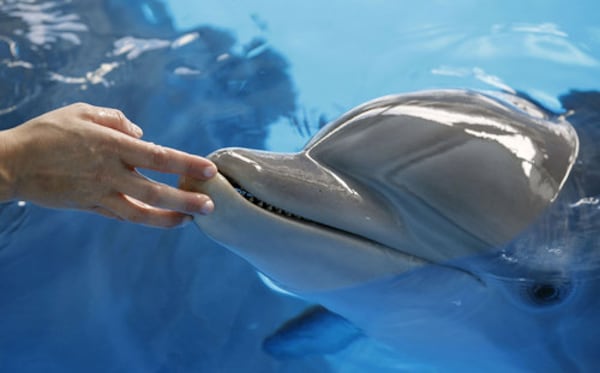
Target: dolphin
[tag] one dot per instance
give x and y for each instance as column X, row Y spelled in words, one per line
column 407, row 217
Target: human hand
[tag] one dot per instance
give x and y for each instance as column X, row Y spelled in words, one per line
column 85, row 157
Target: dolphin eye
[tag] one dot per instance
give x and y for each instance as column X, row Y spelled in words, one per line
column 547, row 293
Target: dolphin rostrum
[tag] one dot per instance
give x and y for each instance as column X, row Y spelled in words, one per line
column 393, row 199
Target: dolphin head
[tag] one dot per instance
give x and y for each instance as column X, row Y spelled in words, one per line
column 396, row 184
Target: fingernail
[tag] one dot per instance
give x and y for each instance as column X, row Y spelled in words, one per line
column 137, row 130
column 207, row 208
column 209, row 171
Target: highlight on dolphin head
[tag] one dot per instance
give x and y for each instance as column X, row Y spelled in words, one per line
column 396, row 184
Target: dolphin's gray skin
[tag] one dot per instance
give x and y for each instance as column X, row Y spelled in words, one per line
column 393, row 216
column 395, row 184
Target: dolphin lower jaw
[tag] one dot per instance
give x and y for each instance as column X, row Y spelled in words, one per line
column 302, row 255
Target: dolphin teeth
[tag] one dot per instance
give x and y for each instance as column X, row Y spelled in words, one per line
column 262, row 204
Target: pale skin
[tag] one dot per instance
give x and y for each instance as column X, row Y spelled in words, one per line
column 86, row 158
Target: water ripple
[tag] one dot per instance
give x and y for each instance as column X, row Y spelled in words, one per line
column 45, row 22
column 30, row 29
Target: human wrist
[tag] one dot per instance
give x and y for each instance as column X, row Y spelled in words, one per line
column 8, row 176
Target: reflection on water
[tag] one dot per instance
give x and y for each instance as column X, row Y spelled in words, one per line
column 29, row 29
column 63, row 52
column 546, row 41
column 45, row 23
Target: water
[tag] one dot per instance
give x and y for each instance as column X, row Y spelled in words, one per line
column 82, row 293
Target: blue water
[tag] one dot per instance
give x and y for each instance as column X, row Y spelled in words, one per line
column 82, row 293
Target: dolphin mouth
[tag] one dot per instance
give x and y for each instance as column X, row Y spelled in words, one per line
column 266, row 206
column 248, row 196
column 281, row 213
column 362, row 258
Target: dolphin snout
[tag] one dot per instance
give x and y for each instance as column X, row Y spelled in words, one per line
column 233, row 160
column 250, row 165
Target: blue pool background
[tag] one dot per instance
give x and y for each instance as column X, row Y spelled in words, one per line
column 82, row 293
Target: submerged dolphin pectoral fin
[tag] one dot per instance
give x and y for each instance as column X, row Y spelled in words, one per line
column 317, row 331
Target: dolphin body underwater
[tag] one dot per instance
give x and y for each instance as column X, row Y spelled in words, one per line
column 432, row 223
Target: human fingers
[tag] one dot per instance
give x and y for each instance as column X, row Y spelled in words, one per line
column 141, row 154
column 163, row 196
column 128, row 209
column 108, row 117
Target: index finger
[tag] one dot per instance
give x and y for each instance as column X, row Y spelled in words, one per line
column 108, row 117
column 142, row 154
